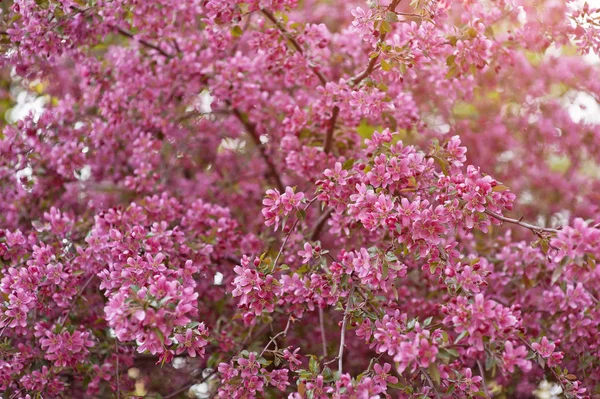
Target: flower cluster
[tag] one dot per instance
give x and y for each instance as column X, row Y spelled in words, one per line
column 303, row 199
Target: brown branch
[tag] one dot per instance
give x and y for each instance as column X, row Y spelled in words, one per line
column 74, row 301
column 373, row 61
column 293, row 41
column 532, row 227
column 343, row 333
column 316, row 231
column 322, row 327
column 282, row 333
column 330, row 129
column 117, row 369
column 482, row 373
column 251, row 129
column 431, row 383
column 142, row 41
column 336, row 110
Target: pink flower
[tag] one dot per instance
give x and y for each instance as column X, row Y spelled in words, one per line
column 193, row 342
column 545, row 348
column 515, row 357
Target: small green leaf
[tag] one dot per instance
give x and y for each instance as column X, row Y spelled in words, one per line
column 263, row 361
column 391, row 16
column 313, row 365
column 385, row 27
column 236, row 31
column 556, row 274
column 434, row 373
column 348, row 164
column 385, row 65
column 301, row 214
column 450, row 60
column 460, row 337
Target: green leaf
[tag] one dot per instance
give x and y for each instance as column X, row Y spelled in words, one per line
column 263, row 361
column 160, row 336
column 301, row 214
column 348, row 164
column 452, row 351
column 385, row 27
column 385, row 65
column 236, row 31
column 434, row 373
column 460, row 337
column 391, row 17
column 556, row 274
column 313, row 365
column 365, row 130
column 452, row 72
column 489, row 363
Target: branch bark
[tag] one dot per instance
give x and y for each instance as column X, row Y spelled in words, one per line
column 251, row 129
column 293, row 41
column 373, row 61
column 532, row 227
column 343, row 333
column 143, row 42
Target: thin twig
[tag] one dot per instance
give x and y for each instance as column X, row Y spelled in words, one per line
column 293, row 41
column 322, row 327
column 373, row 61
column 482, row 373
column 251, row 129
column 285, row 240
column 331, row 129
column 316, row 231
column 142, row 41
column 74, row 301
column 343, row 333
column 437, row 394
column 281, row 333
column 117, row 371
column 532, row 227
column 5, row 327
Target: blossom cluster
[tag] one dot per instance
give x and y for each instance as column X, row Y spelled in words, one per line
column 303, row 199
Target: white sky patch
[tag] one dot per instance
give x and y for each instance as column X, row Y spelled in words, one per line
column 26, row 103
column 584, row 108
column 218, row 279
column 199, row 391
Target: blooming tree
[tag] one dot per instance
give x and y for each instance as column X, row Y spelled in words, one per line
column 302, row 199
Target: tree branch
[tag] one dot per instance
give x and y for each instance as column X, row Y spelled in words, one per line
column 293, row 41
column 431, row 383
column 532, row 227
column 343, row 333
column 251, row 129
column 281, row 333
column 322, row 327
column 485, row 388
column 74, row 301
column 330, row 129
column 336, row 110
column 316, row 231
column 143, row 42
column 373, row 61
